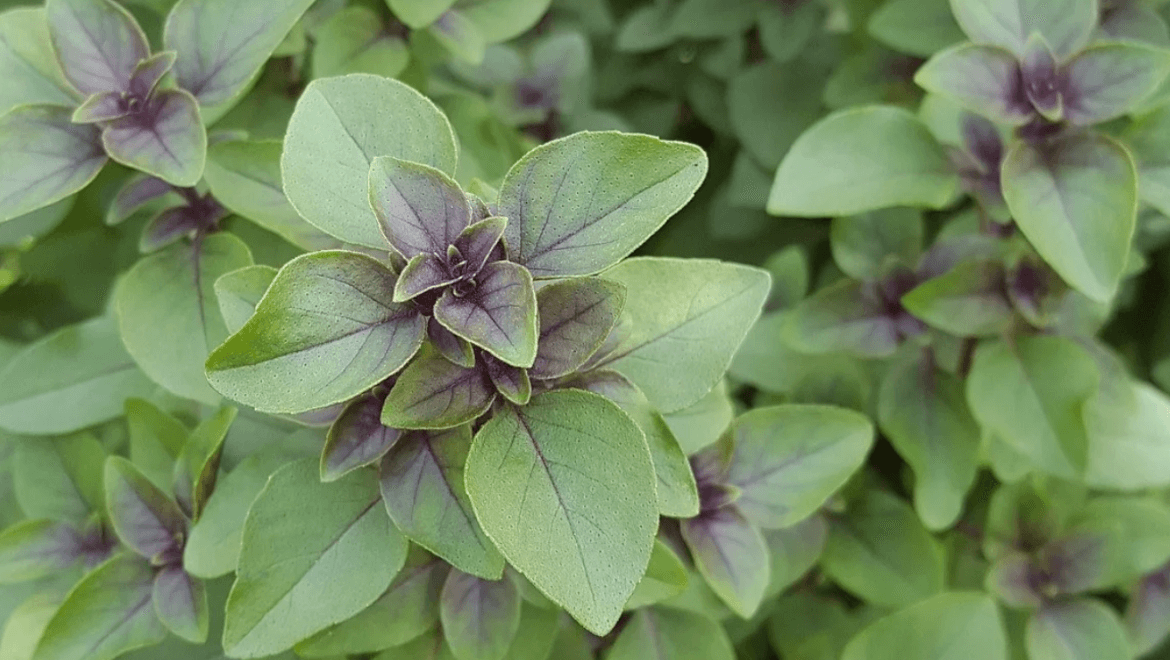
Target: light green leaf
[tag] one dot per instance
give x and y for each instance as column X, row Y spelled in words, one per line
column 59, row 478
column 156, row 438
column 881, row 553
column 917, row 27
column 946, row 627
column 1075, row 199
column 76, row 377
column 769, row 106
column 500, row 20
column 568, row 214
column 339, row 126
column 689, row 317
column 28, row 64
column 25, row 626
column 538, row 632
column 354, row 41
column 167, row 311
column 312, row 555
column 417, row 14
column 860, row 160
column 970, row 300
column 559, row 456
column 794, row 551
column 1084, row 629
column 665, row 634
column 326, row 331
column 701, row 423
column 238, row 293
column 35, row 549
column 1129, row 449
column 665, row 578
column 863, row 244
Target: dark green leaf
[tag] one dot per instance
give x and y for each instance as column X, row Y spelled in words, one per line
column 433, row 393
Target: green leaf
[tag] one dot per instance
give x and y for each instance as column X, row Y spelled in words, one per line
column 47, row 157
column 917, row 27
column 860, row 160
column 480, row 617
column 181, row 604
column 223, row 43
column 312, row 555
column 665, row 578
column 420, row 209
column 418, row 14
column 711, row 19
column 326, row 331
column 145, row 518
column 666, row 634
column 935, row 629
column 26, row 624
column 881, row 553
column 769, row 105
column 339, row 126
column 408, row 609
column 59, row 478
column 1129, row 448
column 1077, row 630
column 790, row 459
column 97, row 42
column 983, row 79
column 501, row 20
column 794, row 551
column 576, row 315
column 1065, row 24
column 498, row 315
column 76, row 377
column 923, row 412
column 574, row 457
column 701, row 423
column 731, row 555
column 689, row 316
column 538, row 632
column 239, row 291
column 354, row 40
column 844, row 317
column 1149, row 140
column 35, row 549
column 568, row 214
column 168, row 315
column 863, row 244
column 462, row 38
column 970, row 300
column 809, row 626
column 1075, row 199
column 356, row 438
column 197, row 467
column 434, row 393
column 166, row 140
column 1030, row 395
column 156, row 438
column 1108, row 80
column 108, row 613
column 422, row 481
column 678, row 496
column 244, row 176
column 28, row 64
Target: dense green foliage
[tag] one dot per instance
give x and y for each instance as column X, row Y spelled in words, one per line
column 559, row 329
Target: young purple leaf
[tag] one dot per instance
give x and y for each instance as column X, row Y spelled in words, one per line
column 357, row 438
column 424, row 272
column 98, row 43
column 576, row 316
column 983, row 79
column 498, row 314
column 1106, row 81
column 146, row 520
column 847, row 316
column 479, row 617
column 512, row 382
column 168, row 226
column 1077, row 628
column 164, row 137
column 456, row 349
column 732, row 557
column 1034, row 291
column 434, row 393
column 1147, row 616
column 421, row 210
column 33, row 549
column 138, row 191
column 180, row 601
column 100, row 107
column 1017, row 581
column 476, row 242
column 1042, row 81
column 149, row 73
column 423, row 490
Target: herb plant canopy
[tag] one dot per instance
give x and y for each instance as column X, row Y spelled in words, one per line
column 584, row 329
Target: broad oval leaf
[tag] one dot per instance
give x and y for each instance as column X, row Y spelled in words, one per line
column 47, row 157
column 1075, row 199
column 97, row 42
column 434, row 393
column 732, row 557
column 860, row 160
column 498, row 315
column 935, row 629
column 577, row 458
column 145, row 518
column 420, row 209
column 983, row 79
column 422, row 481
column 789, row 459
column 576, row 315
column 1082, row 629
column 165, row 139
column 326, row 331
column 1108, row 80
column 28, row 64
column 689, row 317
column 181, row 604
column 356, row 438
column 570, row 214
column 106, row 614
column 313, row 554
column 76, row 377
column 38, row 548
column 480, row 617
column 223, row 43
column 339, row 126
column 1067, row 25
column 168, row 314
column 658, row 633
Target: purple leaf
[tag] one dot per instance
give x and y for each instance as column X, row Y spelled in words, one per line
column 33, row 549
column 981, row 139
column 433, row 393
column 1075, row 563
column 98, row 43
column 1041, row 79
column 498, row 314
column 1016, row 580
column 983, row 79
column 576, row 315
column 146, row 520
column 165, row 137
column 356, row 438
column 479, row 617
column 46, row 158
column 1106, row 81
column 138, row 191
column 101, row 106
column 424, row 272
column 420, row 209
column 149, row 73
column 181, row 604
column 731, row 555
column 422, row 488
column 167, row 227
column 1147, row 616
column 455, row 349
column 846, row 316
column 512, row 382
column 476, row 242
